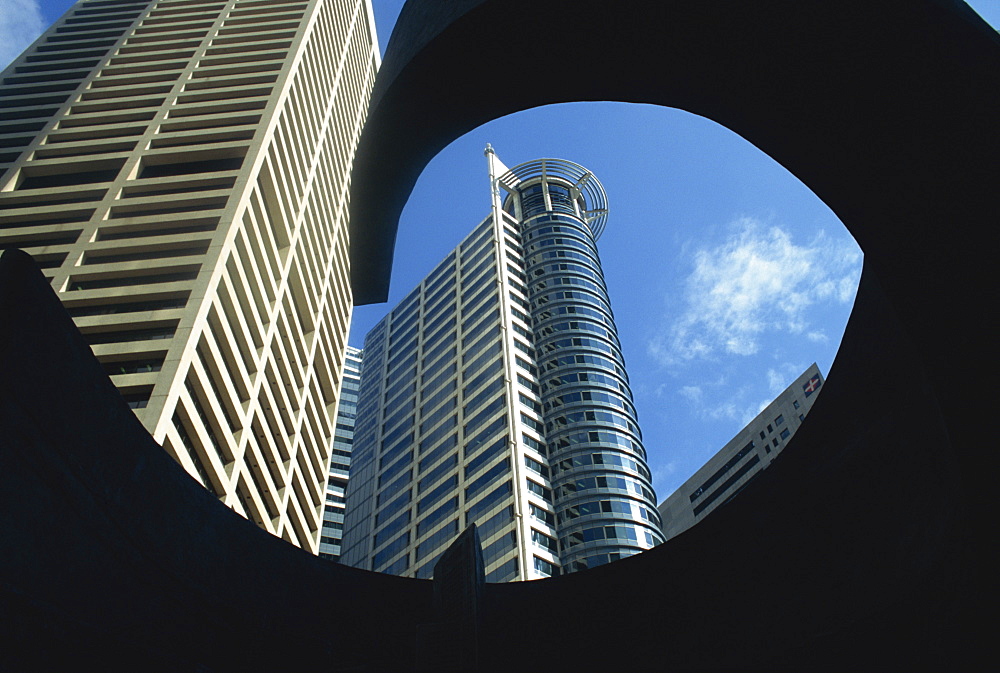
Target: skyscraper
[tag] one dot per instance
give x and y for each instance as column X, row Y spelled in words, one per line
column 742, row 458
column 179, row 170
column 495, row 393
column 340, row 461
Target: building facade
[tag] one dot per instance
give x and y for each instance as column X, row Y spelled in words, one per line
column 748, row 453
column 340, row 460
column 179, row 169
column 495, row 393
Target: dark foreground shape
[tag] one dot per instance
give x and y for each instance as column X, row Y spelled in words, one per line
column 863, row 548
column 449, row 641
column 113, row 558
column 868, row 545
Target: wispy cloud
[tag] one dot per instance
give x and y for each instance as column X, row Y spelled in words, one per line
column 775, row 381
column 691, row 393
column 20, row 23
column 757, row 281
column 734, row 408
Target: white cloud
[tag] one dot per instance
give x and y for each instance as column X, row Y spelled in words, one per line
column 732, row 407
column 758, row 281
column 691, row 393
column 775, row 381
column 21, row 22
column 752, row 411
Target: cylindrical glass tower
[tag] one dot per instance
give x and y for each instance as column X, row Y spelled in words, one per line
column 604, row 500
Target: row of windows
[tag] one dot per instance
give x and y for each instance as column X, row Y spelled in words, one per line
column 721, row 472
column 531, row 422
column 575, row 296
column 625, row 507
column 443, row 536
column 609, row 482
column 627, row 534
column 432, row 438
column 476, row 487
column 470, row 302
column 402, row 407
column 480, row 397
column 566, row 267
column 391, row 528
column 542, row 315
column 488, row 502
column 543, row 257
column 479, row 260
column 714, row 495
column 492, row 371
column 489, row 410
column 399, row 438
column 446, row 466
column 486, row 324
column 439, row 305
column 588, row 378
column 496, row 523
column 544, row 541
column 533, row 443
column 391, row 506
column 440, row 274
column 446, row 445
column 478, row 235
column 597, row 287
column 611, row 459
column 611, row 347
column 598, row 437
column 487, row 456
column 539, row 490
column 576, row 326
column 555, row 218
column 438, row 414
column 393, row 548
column 476, row 316
column 568, row 238
column 536, row 467
column 542, row 515
column 504, row 573
column 388, row 473
column 557, row 401
column 596, row 560
column 499, row 547
column 435, row 496
column 590, row 417
column 545, row 568
column 436, row 395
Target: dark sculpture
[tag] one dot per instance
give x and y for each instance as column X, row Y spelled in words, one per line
column 864, row 547
column 449, row 641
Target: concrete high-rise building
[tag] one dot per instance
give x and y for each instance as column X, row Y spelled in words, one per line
column 742, row 458
column 179, row 169
column 340, row 461
column 495, row 393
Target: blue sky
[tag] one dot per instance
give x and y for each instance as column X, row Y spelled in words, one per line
column 728, row 277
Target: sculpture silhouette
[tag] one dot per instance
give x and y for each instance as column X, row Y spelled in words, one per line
column 863, row 546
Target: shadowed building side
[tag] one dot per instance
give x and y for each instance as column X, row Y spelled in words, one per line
column 340, row 462
column 743, row 457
